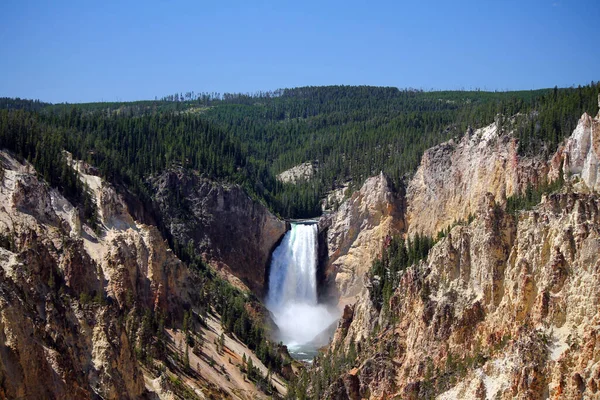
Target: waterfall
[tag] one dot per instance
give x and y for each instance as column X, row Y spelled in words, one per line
column 292, row 297
column 293, row 276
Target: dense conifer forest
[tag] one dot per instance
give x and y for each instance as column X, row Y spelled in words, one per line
column 349, row 132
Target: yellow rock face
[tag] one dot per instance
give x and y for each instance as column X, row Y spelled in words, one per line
column 512, row 303
column 356, row 233
column 453, row 177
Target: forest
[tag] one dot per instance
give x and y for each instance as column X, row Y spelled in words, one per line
column 348, row 132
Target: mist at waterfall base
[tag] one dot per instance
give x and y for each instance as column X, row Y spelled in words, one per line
column 292, row 297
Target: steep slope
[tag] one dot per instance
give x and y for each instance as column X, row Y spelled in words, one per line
column 581, row 153
column 353, row 236
column 54, row 345
column 503, row 308
column 82, row 310
column 233, row 232
column 454, row 175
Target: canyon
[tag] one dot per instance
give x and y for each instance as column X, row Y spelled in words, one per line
column 503, row 306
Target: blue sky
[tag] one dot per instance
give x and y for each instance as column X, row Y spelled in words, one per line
column 79, row 51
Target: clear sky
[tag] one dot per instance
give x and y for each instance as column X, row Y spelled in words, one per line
column 89, row 50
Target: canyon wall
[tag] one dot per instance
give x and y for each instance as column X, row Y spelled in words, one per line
column 69, row 328
column 454, row 175
column 52, row 344
column 354, row 235
column 580, row 154
column 504, row 306
column 234, row 233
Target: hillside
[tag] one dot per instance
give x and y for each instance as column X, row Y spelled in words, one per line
column 136, row 241
column 110, row 311
column 352, row 132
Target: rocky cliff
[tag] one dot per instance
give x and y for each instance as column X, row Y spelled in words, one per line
column 72, row 300
column 233, row 232
column 504, row 306
column 581, row 152
column 354, row 235
column 454, row 175
column 55, row 341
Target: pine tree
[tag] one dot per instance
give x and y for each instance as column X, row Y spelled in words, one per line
column 186, row 358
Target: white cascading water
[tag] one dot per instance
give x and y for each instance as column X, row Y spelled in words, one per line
column 292, row 296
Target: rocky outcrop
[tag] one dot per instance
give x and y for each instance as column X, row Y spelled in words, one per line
column 234, row 233
column 135, row 260
column 355, row 234
column 302, row 172
column 503, row 308
column 332, row 199
column 454, row 175
column 580, row 155
column 58, row 337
